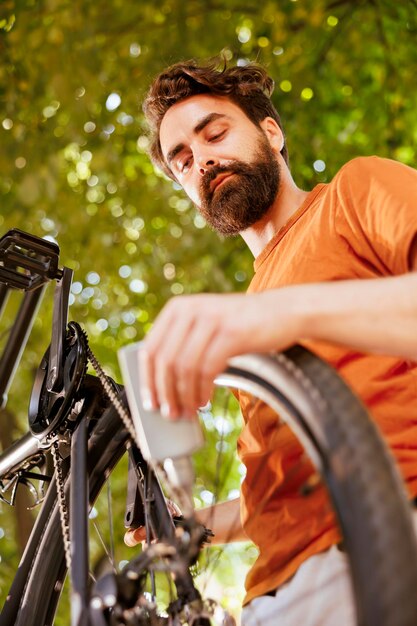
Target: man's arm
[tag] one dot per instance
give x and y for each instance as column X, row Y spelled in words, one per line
column 194, row 336
column 222, row 518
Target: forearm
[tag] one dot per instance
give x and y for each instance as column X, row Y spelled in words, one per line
column 378, row 315
column 224, row 520
column 195, row 336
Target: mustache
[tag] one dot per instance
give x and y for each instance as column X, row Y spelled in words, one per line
column 232, row 168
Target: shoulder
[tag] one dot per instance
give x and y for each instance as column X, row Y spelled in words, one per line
column 362, row 170
column 376, row 210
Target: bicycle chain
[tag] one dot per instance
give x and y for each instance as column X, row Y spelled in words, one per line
column 62, row 502
column 110, row 392
column 59, row 478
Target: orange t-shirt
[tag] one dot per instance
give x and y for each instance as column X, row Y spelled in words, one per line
column 361, row 225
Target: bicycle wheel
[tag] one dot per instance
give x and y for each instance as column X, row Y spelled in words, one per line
column 364, row 486
column 368, row 496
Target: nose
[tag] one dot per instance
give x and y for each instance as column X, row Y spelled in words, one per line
column 205, row 163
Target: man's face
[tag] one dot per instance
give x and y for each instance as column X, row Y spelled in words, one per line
column 222, row 160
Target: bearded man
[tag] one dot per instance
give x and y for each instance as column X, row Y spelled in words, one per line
column 334, row 270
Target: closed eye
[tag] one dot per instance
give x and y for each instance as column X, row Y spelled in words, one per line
column 217, row 136
column 184, row 164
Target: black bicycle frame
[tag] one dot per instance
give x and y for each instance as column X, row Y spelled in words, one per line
column 27, row 263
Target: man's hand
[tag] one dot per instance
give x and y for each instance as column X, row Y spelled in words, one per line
column 193, row 338
column 133, row 536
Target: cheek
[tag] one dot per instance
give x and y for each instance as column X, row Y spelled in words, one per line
column 193, row 192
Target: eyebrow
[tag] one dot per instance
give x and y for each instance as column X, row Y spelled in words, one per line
column 198, row 128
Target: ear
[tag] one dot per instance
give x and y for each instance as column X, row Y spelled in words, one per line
column 273, row 133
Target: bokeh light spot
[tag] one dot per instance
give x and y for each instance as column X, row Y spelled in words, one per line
column 285, row 86
column 319, row 165
column 138, row 286
column 102, row 324
column 332, row 20
column 263, row 42
column 113, row 101
column 244, row 34
column 93, row 278
column 89, row 127
column 135, row 49
column 125, row 271
column 306, row 94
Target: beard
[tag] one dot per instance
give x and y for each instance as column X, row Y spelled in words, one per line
column 245, row 198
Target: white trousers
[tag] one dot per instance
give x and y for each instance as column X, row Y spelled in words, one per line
column 319, row 594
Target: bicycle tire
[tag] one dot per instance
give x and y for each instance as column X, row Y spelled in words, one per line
column 369, row 499
column 368, row 495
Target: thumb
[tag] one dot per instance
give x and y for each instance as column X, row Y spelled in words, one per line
column 134, row 536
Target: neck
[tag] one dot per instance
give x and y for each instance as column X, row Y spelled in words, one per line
column 288, row 200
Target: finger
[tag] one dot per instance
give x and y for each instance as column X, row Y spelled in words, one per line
column 191, row 365
column 134, row 536
column 148, row 350
column 167, row 366
column 173, row 508
column 218, row 351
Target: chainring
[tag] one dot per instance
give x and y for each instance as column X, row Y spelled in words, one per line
column 48, row 410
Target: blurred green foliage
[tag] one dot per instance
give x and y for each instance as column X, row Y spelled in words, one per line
column 73, row 162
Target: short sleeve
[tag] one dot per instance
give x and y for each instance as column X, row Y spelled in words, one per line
column 379, row 199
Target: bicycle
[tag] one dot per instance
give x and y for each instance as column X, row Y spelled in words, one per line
column 82, row 422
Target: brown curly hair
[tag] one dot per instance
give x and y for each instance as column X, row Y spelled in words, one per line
column 249, row 87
